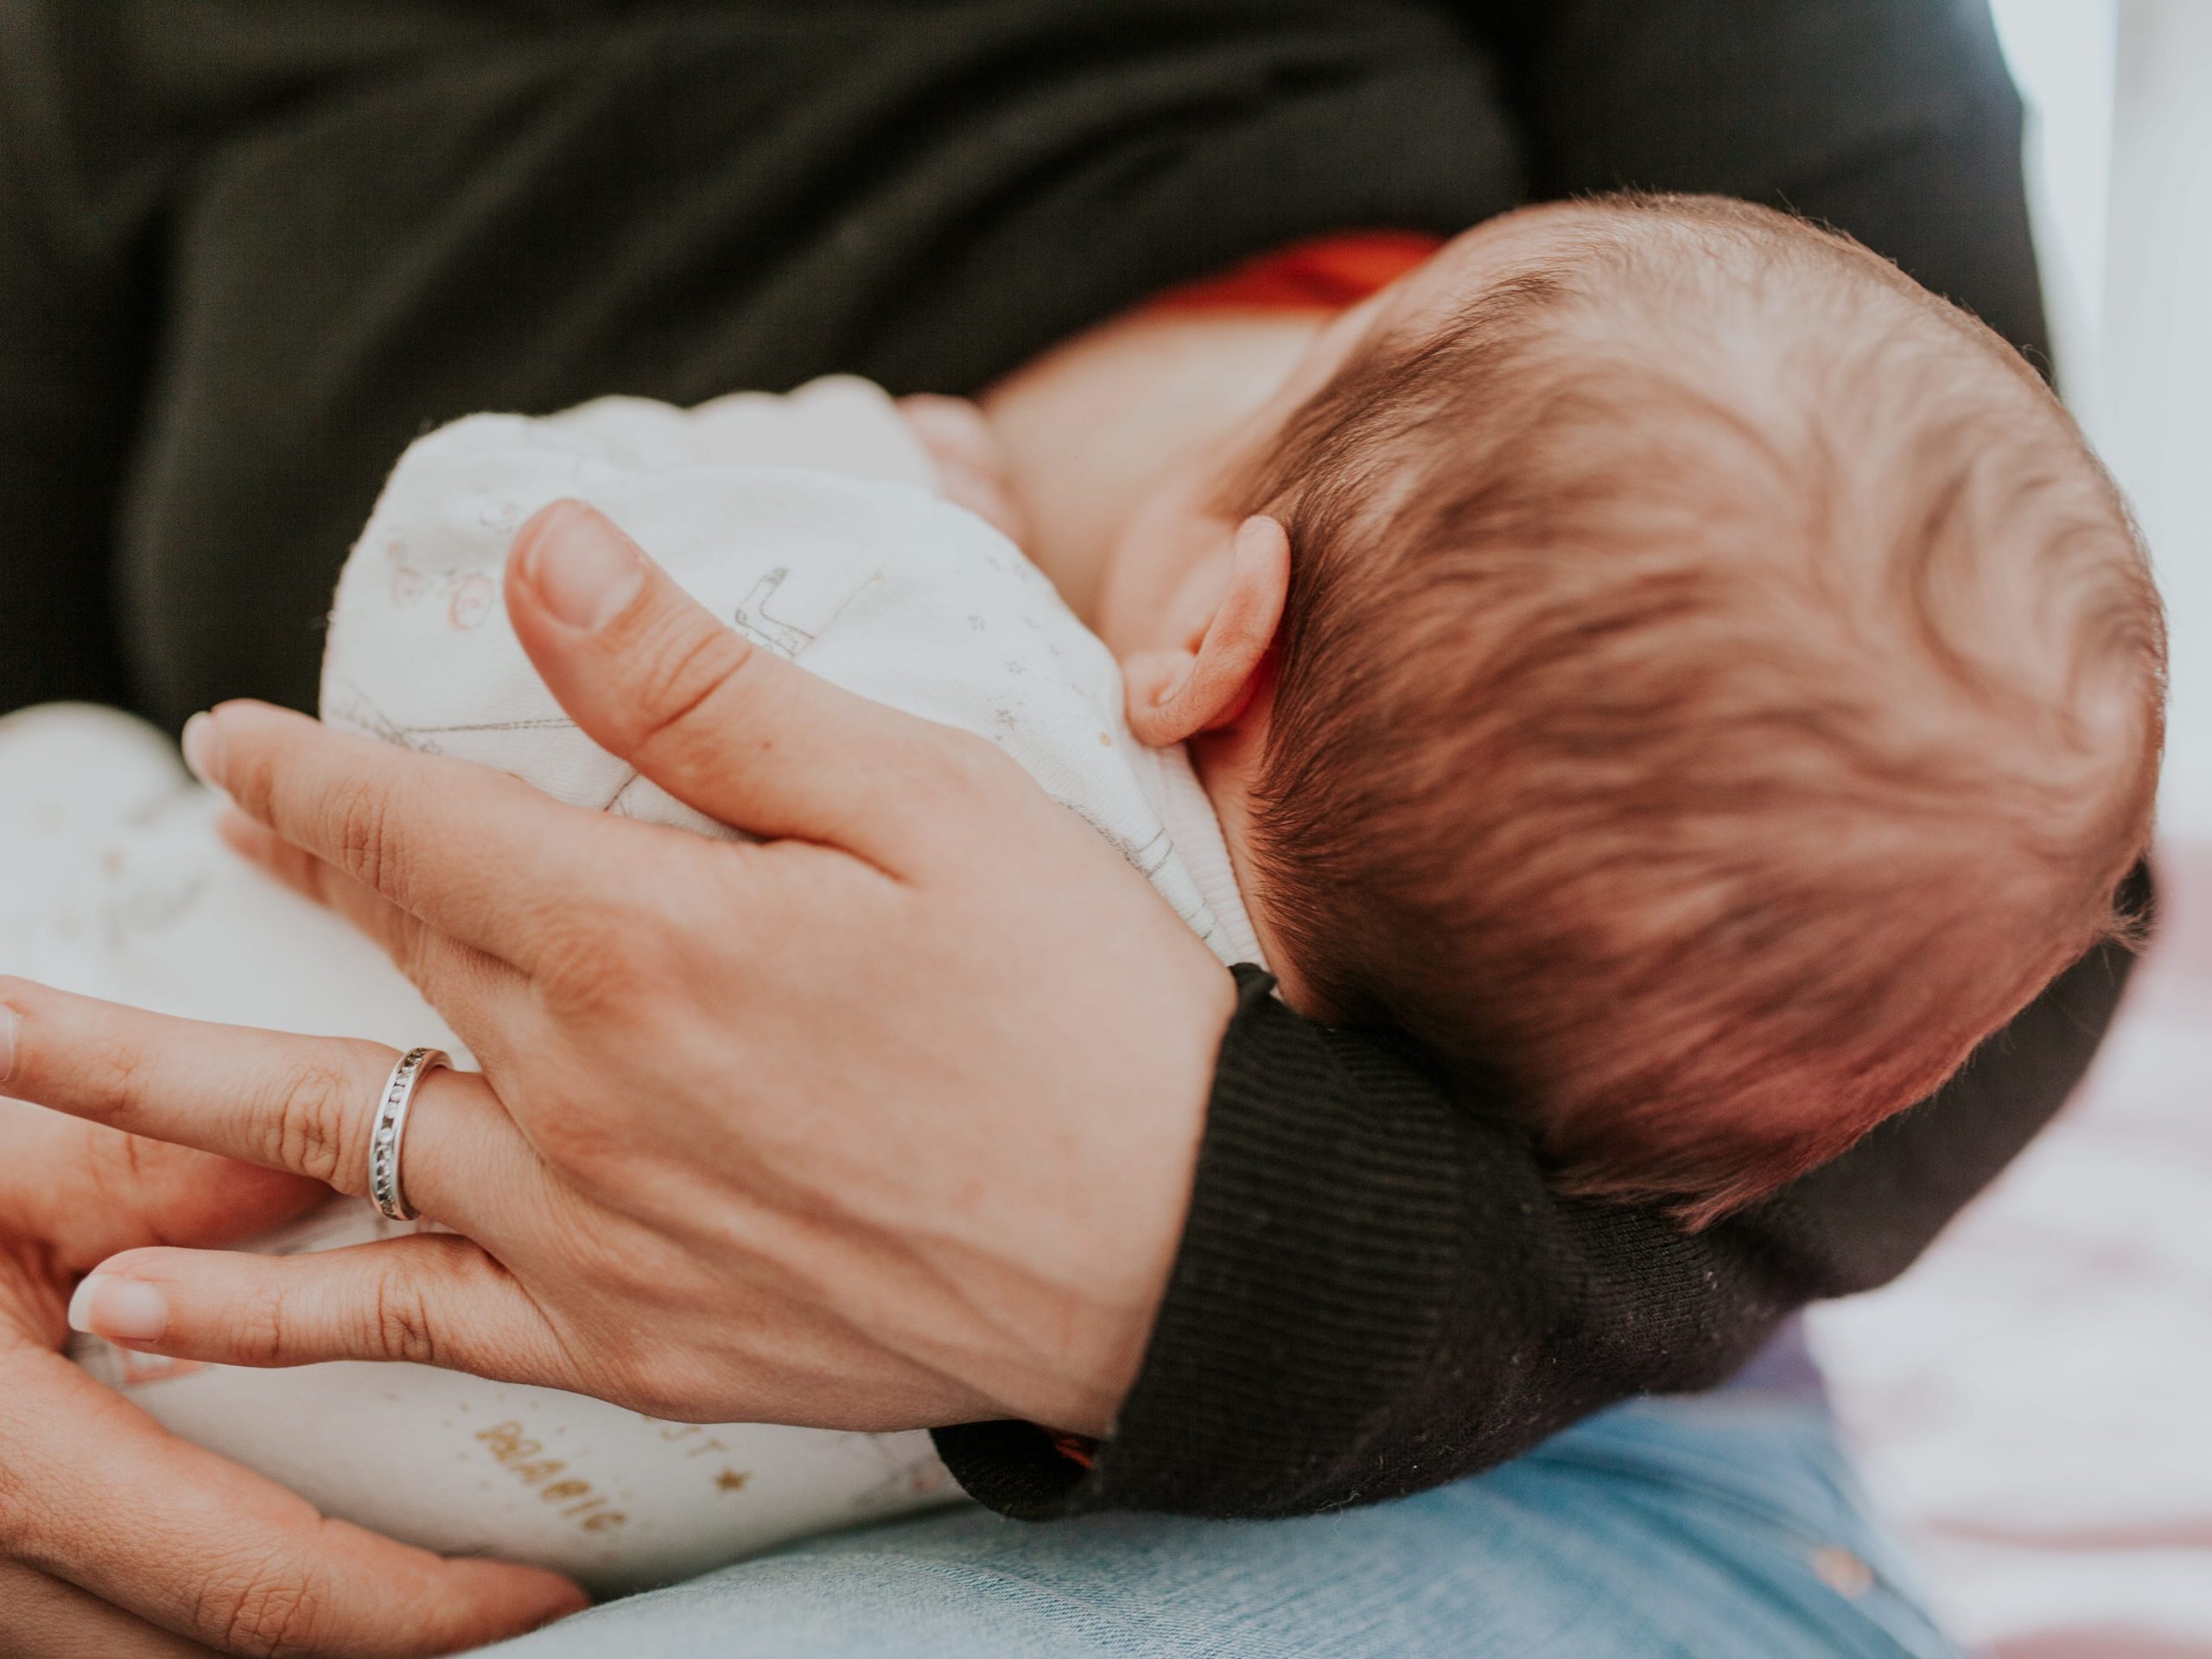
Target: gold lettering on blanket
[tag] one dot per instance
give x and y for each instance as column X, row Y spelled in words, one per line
column 523, row 1457
column 730, row 1480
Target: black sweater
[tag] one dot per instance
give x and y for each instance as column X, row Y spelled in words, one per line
column 247, row 252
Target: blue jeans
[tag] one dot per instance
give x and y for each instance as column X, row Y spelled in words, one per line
column 1726, row 1526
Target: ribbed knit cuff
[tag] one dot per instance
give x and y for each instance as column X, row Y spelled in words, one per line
column 1317, row 1258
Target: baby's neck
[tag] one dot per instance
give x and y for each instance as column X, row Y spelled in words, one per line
column 1227, row 766
column 1087, row 427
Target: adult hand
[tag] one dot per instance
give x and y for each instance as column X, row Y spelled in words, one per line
column 118, row 1541
column 887, row 1120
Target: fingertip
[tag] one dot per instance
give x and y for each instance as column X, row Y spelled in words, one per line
column 539, row 1592
column 121, row 1309
column 80, row 1316
column 549, row 520
column 577, row 564
column 506, row 1598
column 569, row 510
column 224, row 717
column 447, row 1603
column 227, row 746
column 202, row 743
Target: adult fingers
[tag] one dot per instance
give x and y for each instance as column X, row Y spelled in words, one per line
column 87, row 1192
column 305, row 1104
column 432, row 1298
column 44, row 1618
column 738, row 731
column 98, row 1495
column 481, row 856
column 476, row 991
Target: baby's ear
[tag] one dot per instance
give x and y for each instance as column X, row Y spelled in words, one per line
column 1231, row 606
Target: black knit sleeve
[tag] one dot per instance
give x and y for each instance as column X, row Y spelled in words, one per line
column 1377, row 1292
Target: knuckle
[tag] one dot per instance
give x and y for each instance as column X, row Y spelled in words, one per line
column 120, row 1080
column 368, row 850
column 311, row 1125
column 267, row 1609
column 260, row 1327
column 399, row 1323
column 687, row 667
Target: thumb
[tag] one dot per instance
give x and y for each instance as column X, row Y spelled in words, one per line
column 723, row 725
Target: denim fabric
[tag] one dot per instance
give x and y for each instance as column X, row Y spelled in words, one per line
column 1722, row 1527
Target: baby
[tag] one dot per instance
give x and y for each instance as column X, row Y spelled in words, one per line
column 1658, row 654
column 1654, row 653
column 1657, row 606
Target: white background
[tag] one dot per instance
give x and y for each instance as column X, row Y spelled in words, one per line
column 2120, row 155
column 2029, row 1401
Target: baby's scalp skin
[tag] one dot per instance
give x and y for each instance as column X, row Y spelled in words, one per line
column 1699, row 673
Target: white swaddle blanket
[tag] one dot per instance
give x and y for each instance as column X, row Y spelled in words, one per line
column 833, row 552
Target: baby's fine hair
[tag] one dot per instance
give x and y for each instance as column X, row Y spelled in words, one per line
column 1718, row 688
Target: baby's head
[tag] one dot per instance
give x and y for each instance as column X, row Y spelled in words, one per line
column 1658, row 652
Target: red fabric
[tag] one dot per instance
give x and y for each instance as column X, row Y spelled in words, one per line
column 1079, row 1449
column 1328, row 273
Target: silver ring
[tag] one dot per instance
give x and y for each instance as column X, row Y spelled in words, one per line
column 385, row 1187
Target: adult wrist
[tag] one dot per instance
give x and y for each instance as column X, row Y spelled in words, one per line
column 1316, row 1260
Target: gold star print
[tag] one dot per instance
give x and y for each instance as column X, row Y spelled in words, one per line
column 730, row 1481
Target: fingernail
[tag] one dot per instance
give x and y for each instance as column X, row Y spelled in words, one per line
column 122, row 1310
column 10, row 1023
column 584, row 569
column 203, row 748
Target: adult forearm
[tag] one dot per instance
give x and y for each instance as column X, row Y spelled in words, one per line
column 1377, row 1293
